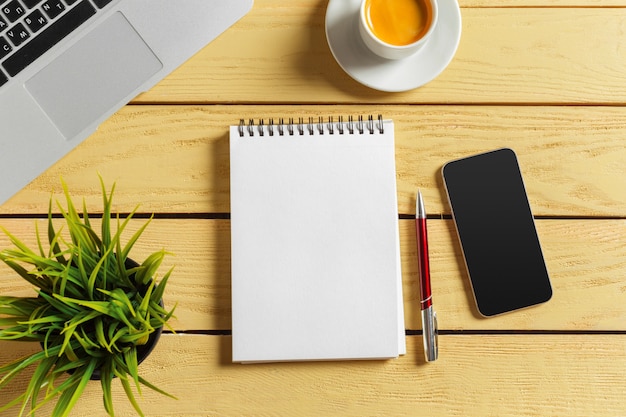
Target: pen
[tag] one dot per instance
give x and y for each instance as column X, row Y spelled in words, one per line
column 429, row 317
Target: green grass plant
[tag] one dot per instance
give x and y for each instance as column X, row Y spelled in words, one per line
column 92, row 312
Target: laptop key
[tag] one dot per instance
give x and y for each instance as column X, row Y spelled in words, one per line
column 5, row 47
column 53, row 8
column 17, row 34
column 48, row 38
column 13, row 10
column 35, row 21
column 102, row 3
column 3, row 78
column 31, row 3
column 3, row 24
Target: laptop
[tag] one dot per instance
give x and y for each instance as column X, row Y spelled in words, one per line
column 67, row 65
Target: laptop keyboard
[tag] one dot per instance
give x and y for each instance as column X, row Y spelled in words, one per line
column 29, row 28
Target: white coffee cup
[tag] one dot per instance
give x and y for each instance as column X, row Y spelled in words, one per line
column 398, row 28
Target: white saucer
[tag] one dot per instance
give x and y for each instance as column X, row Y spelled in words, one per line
column 342, row 34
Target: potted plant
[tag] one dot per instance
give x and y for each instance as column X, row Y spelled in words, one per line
column 95, row 313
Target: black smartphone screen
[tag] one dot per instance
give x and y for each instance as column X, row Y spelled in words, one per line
column 497, row 232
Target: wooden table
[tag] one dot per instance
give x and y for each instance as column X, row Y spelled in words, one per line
column 546, row 78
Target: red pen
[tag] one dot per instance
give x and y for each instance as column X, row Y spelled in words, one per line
column 429, row 317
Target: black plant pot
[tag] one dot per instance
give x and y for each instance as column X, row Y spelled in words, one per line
column 143, row 351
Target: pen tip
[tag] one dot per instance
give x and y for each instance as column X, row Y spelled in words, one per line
column 420, row 212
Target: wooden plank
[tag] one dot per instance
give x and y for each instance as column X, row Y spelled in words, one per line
column 526, row 375
column 585, row 260
column 541, row 3
column 174, row 159
column 279, row 53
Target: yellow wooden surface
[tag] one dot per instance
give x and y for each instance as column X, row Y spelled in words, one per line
column 201, row 282
column 547, row 55
column 546, row 78
column 572, row 157
column 479, row 375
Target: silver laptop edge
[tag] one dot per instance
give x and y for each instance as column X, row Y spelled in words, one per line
column 61, row 99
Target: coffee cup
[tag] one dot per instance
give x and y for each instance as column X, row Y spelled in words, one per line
column 396, row 29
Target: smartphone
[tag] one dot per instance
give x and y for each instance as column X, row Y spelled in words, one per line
column 497, row 231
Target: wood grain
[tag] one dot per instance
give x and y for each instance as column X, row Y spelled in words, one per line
column 545, row 78
column 506, row 55
column 585, row 260
column 541, row 3
column 527, row 375
column 175, row 159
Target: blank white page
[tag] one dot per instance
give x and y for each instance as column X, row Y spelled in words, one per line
column 315, row 248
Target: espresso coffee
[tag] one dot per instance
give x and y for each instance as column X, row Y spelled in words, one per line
column 399, row 22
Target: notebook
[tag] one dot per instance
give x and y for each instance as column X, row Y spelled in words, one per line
column 67, row 65
column 315, row 249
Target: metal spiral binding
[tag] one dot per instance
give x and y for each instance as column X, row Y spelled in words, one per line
column 292, row 128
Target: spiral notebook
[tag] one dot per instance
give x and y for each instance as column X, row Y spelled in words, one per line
column 315, row 249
